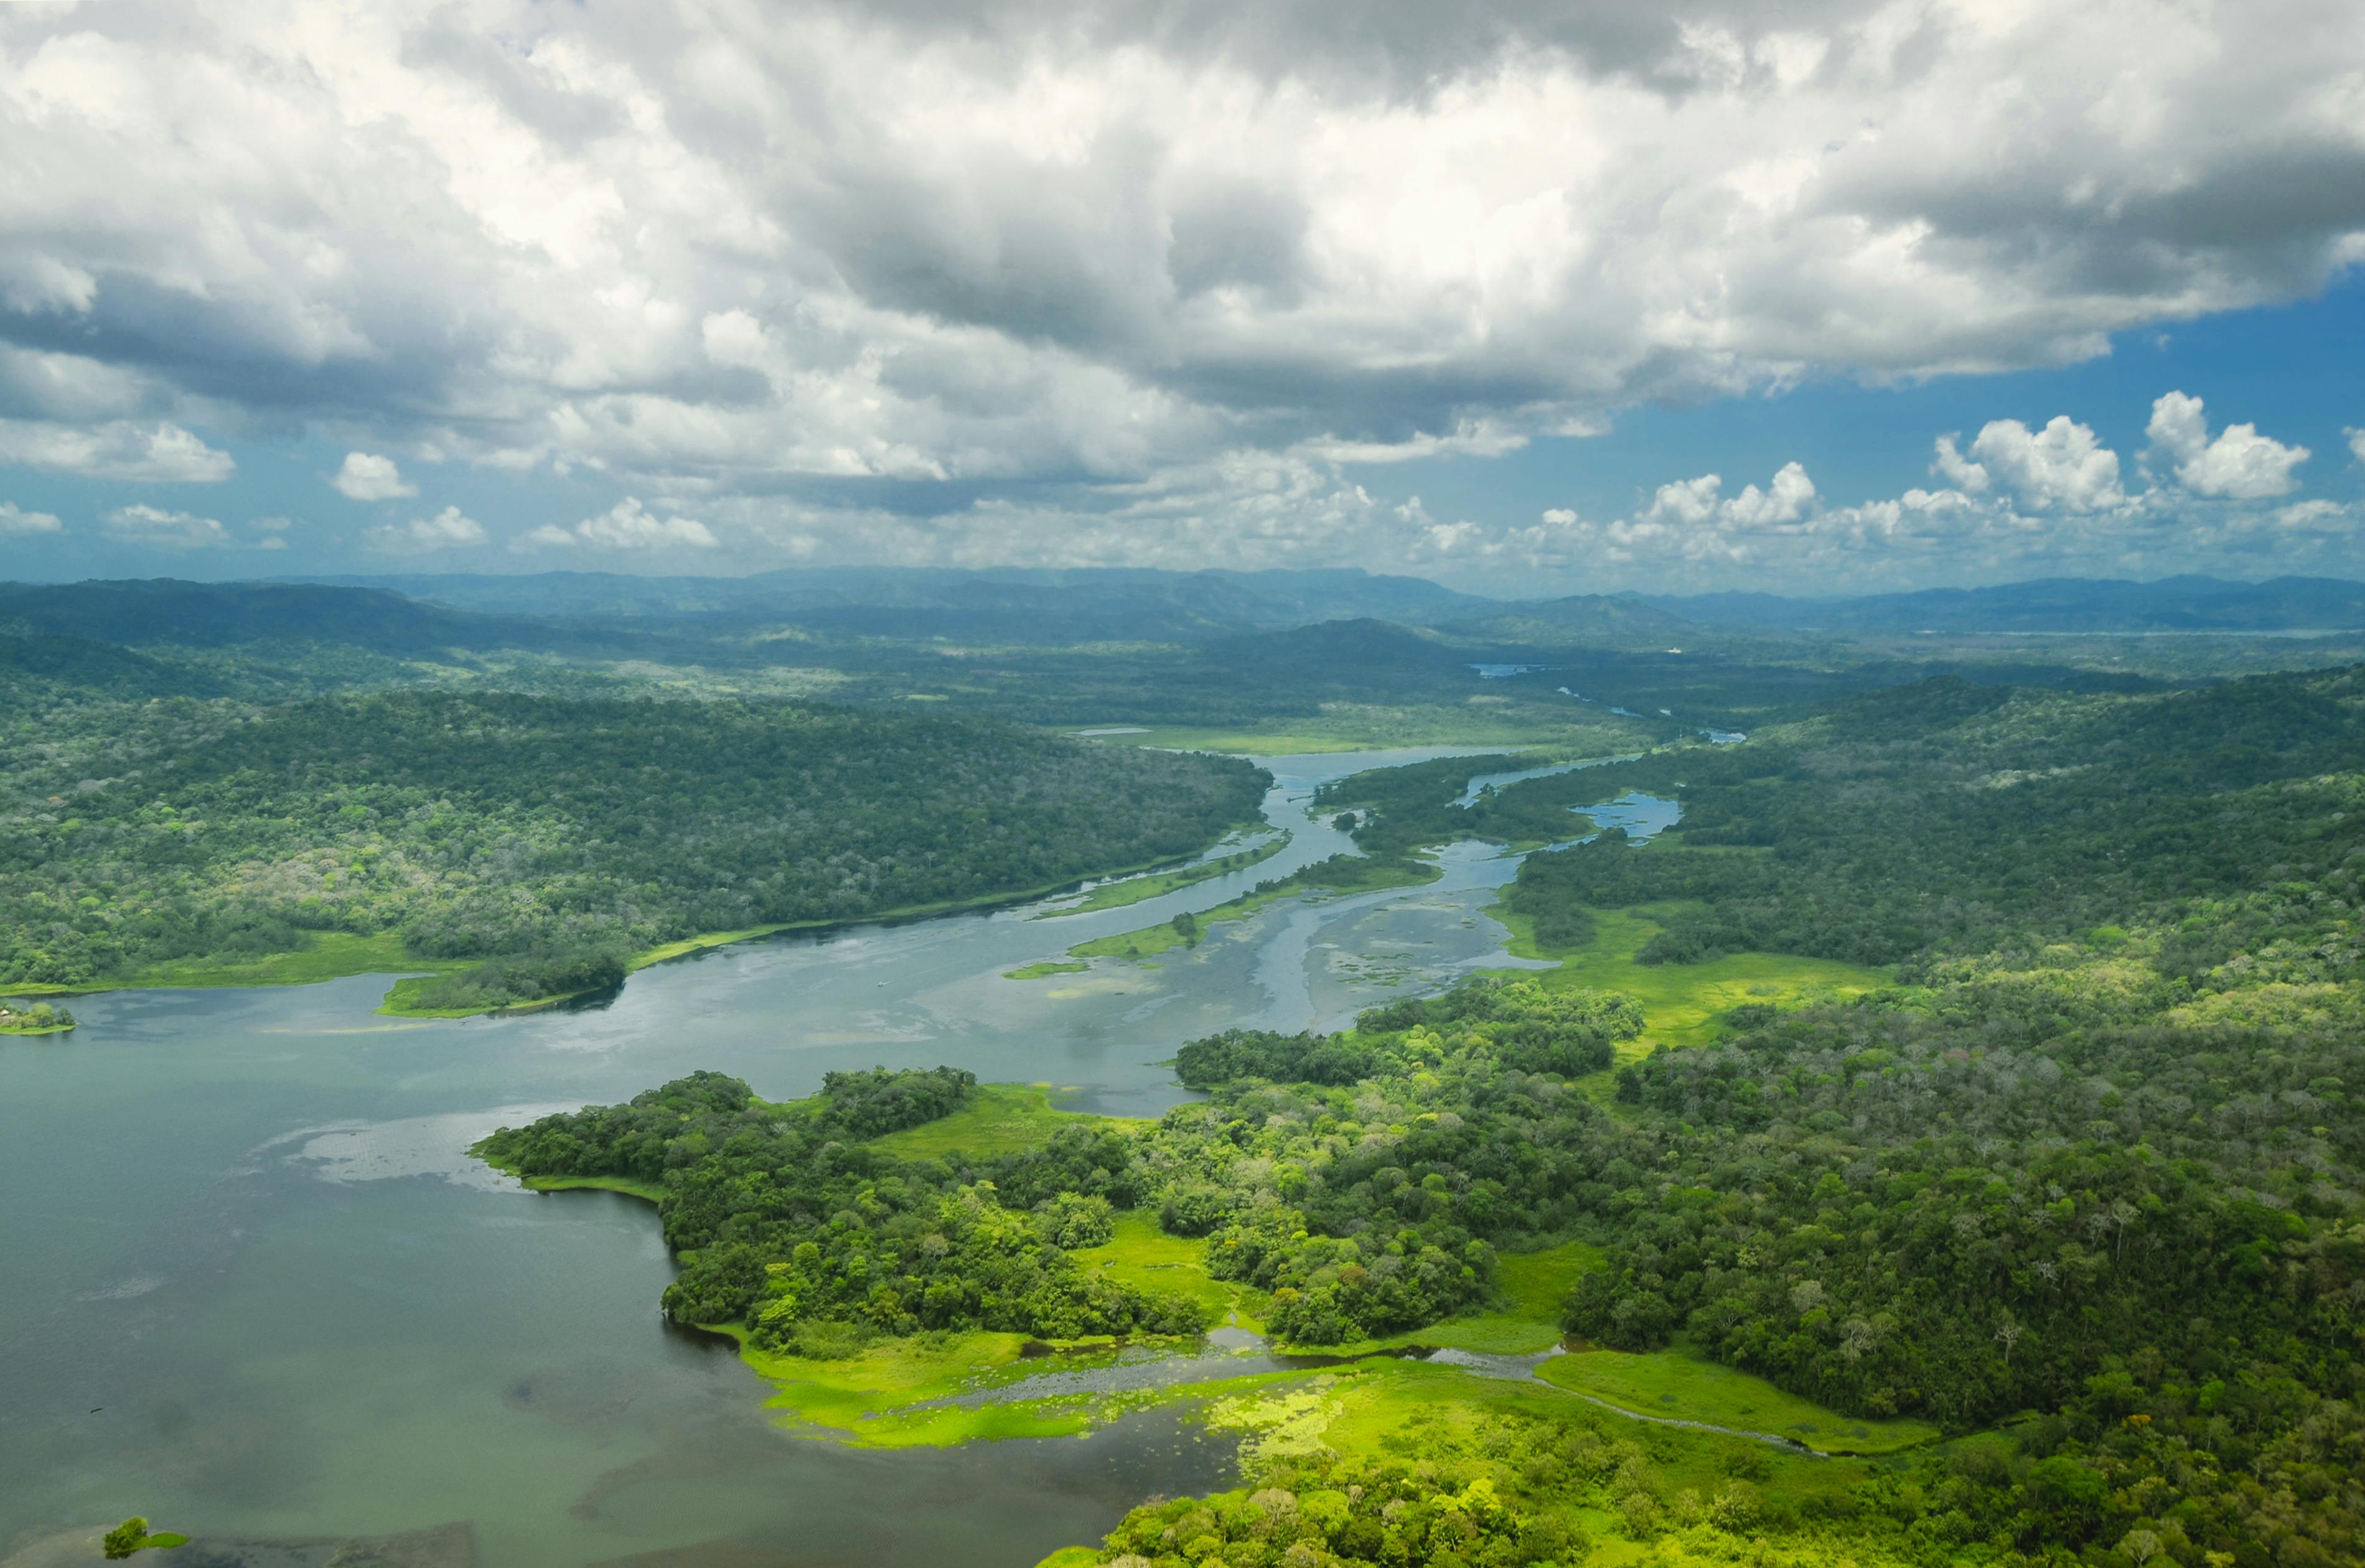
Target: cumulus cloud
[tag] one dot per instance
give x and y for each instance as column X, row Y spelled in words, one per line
column 114, row 449
column 628, row 525
column 777, row 251
column 1692, row 502
column 366, row 476
column 143, row 525
column 14, row 520
column 447, row 530
column 2017, row 501
column 2238, row 464
column 2062, row 466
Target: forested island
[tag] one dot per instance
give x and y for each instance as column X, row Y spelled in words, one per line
column 2062, row 1212
column 34, row 1018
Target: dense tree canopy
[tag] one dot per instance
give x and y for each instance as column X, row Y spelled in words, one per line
column 505, row 824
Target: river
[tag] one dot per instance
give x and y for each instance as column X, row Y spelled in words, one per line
column 255, row 1288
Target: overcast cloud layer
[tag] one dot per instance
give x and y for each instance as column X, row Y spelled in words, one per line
column 914, row 282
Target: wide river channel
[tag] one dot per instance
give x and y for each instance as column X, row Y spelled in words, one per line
column 255, row 1288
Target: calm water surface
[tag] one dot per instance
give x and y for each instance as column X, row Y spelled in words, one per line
column 255, row 1287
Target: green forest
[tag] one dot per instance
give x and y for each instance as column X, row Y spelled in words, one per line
column 554, row 837
column 2079, row 1190
column 1968, row 1082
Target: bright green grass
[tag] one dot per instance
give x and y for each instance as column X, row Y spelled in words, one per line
column 1683, row 1003
column 866, row 1399
column 1146, row 1257
column 1377, row 1399
column 1387, row 1409
column 625, row 1184
column 648, row 1190
column 1044, row 970
column 326, row 956
column 1157, row 884
column 999, row 1118
column 1671, row 1384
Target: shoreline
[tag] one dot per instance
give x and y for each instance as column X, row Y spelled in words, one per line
column 377, row 960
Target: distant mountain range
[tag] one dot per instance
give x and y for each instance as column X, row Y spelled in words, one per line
column 1002, row 606
column 2051, row 604
column 688, row 618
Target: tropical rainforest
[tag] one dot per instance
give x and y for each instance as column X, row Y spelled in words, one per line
column 552, row 838
column 2079, row 1188
column 2042, row 1239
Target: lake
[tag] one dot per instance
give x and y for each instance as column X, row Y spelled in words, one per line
column 255, row 1288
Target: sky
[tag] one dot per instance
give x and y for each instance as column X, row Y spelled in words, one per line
column 1805, row 295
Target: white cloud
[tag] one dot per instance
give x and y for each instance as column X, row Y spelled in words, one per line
column 1005, row 248
column 366, row 476
column 143, row 525
column 1685, row 501
column 2062, row 466
column 114, row 449
column 1960, row 471
column 1694, row 502
column 15, row 520
column 1788, row 496
column 2240, row 465
column 447, row 530
column 628, row 525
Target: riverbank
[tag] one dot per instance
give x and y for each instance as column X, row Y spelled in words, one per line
column 1117, row 893
column 338, row 955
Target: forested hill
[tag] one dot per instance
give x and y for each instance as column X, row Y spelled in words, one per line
column 140, row 833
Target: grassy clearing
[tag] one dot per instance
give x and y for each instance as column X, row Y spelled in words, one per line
column 1390, row 1409
column 1044, row 970
column 866, row 1400
column 1141, row 1255
column 1684, row 1002
column 1373, row 1406
column 1000, row 1118
column 648, row 1190
column 1526, row 1318
column 1670, row 1384
column 1157, row 884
